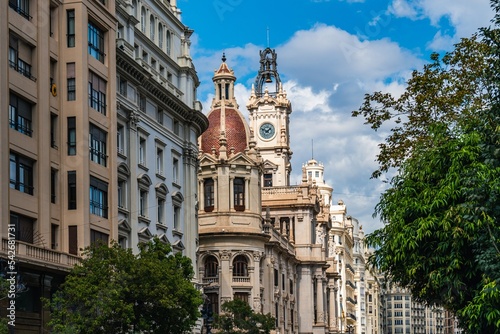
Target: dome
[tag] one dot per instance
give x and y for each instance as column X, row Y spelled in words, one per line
column 227, row 124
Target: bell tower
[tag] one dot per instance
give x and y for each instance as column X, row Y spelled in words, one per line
column 269, row 112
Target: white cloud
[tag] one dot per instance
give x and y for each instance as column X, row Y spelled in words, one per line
column 464, row 16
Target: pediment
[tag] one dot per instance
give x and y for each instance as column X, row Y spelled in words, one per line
column 270, row 165
column 145, row 233
column 207, row 159
column 178, row 245
column 123, row 225
column 241, row 159
column 163, row 238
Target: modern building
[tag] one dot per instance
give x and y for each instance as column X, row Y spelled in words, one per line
column 58, row 169
column 400, row 313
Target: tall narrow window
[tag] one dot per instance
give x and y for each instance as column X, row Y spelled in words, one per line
column 73, row 240
column 227, row 90
column 208, row 193
column 53, row 185
column 72, row 190
column 21, row 173
column 211, row 267
column 97, row 145
column 160, row 35
column 97, row 93
column 70, row 34
column 159, row 161
column 142, row 151
column 54, row 235
column 122, row 192
column 98, row 237
column 161, row 210
column 143, row 20
column 53, row 130
column 120, row 139
column 96, row 42
column 175, row 170
column 143, row 203
column 239, row 194
column 177, row 218
column 71, row 135
column 152, row 28
column 20, row 115
column 98, row 197
column 169, row 42
column 71, row 81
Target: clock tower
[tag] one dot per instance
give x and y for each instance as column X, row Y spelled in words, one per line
column 269, row 113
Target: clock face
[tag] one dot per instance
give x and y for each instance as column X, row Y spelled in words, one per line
column 266, row 130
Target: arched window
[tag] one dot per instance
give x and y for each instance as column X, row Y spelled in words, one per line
column 134, row 4
column 211, row 266
column 240, row 266
column 152, row 28
column 169, row 42
column 160, row 35
column 143, row 20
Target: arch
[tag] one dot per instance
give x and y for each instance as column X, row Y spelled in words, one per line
column 123, row 169
column 177, row 197
column 240, row 266
column 211, row 266
column 135, row 7
column 144, row 180
column 161, row 189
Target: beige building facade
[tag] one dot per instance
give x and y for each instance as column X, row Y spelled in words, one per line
column 57, row 119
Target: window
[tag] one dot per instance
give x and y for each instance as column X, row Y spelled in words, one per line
column 123, row 87
column 20, row 56
column 71, row 135
column 122, row 193
column 71, row 81
column 53, row 185
column 143, row 20
column 97, row 93
column 159, row 161
column 20, row 115
column 22, row 7
column 291, row 287
column 268, row 180
column 97, row 145
column 21, row 173
column 53, row 130
column 208, row 192
column 213, row 302
column 143, row 203
column 159, row 116
column 160, row 35
column 152, row 28
column 161, row 210
column 316, row 174
column 283, row 281
column 96, row 42
column 142, row 151
column 70, row 21
column 169, row 42
column 243, row 296
column 54, row 235
column 239, row 194
column 211, row 267
column 142, row 102
column 240, row 265
column 96, row 236
column 177, row 218
column 120, row 142
column 98, row 197
column 23, row 226
column 276, row 278
column 73, row 240
column 72, row 190
column 177, row 127
column 175, row 170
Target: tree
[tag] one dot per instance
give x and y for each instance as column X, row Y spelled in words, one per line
column 238, row 317
column 442, row 210
column 115, row 291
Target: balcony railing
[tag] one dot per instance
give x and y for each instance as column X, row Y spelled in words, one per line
column 25, row 250
column 241, row 279
column 211, row 280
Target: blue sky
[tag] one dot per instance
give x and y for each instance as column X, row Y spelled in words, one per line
column 330, row 53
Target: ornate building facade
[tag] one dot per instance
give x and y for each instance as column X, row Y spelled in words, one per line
column 282, row 248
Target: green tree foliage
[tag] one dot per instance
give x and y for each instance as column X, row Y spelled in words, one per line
column 115, row 291
column 238, row 317
column 442, row 210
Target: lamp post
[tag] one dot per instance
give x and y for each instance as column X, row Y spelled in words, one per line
column 207, row 315
column 350, row 329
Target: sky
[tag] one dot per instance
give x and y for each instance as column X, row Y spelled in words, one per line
column 330, row 53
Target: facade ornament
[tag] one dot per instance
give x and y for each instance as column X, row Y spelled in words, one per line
column 133, row 118
column 225, row 255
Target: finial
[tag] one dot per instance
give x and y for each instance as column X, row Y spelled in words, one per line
column 223, row 57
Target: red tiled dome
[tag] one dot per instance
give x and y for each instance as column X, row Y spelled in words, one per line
column 235, row 131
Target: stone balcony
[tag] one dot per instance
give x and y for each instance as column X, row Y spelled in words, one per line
column 28, row 253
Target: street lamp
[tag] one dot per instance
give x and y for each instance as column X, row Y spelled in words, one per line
column 207, row 315
column 350, row 329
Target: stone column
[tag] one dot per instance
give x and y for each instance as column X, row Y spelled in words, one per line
column 231, row 193
column 320, row 312
column 332, row 311
column 201, row 192
column 247, row 193
column 216, row 194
